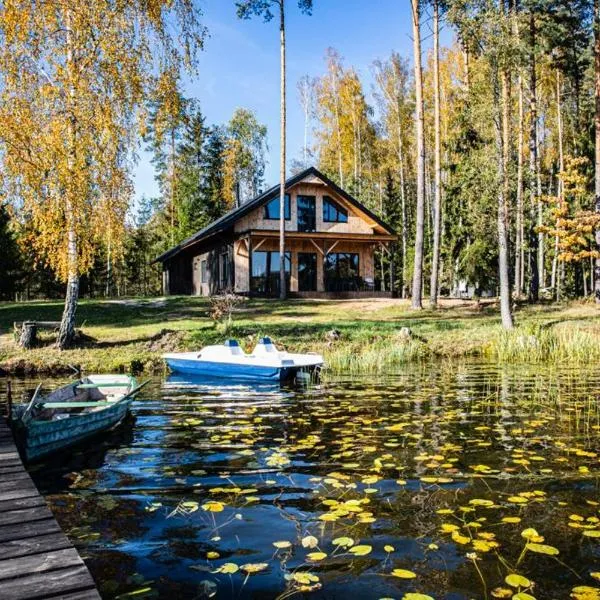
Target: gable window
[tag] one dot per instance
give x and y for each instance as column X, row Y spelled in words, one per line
column 272, row 209
column 333, row 212
column 306, row 208
column 203, row 272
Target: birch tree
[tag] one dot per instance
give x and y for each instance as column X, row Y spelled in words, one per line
column 74, row 79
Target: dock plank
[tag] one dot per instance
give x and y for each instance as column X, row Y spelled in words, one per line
column 23, row 515
column 43, row 585
column 37, row 561
column 34, row 545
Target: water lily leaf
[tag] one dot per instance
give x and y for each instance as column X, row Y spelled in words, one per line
column 518, row 500
column 460, row 539
column 227, row 568
column 251, row 568
column 310, row 541
column 344, row 542
column 403, row 574
column 500, row 592
column 282, row 544
column 389, row 548
column 361, row 550
column 532, row 535
column 511, row 519
column 594, row 533
column 212, row 555
column 448, row 527
column 315, row 556
column 213, row 506
column 416, row 596
column 543, row 549
column 517, row 581
column 523, row 596
column 304, row 578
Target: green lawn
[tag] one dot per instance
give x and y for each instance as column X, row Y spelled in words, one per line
column 132, row 334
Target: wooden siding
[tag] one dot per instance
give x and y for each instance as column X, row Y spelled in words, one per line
column 214, row 282
column 356, row 221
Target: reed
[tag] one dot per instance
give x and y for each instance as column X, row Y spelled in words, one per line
column 536, row 344
column 377, row 357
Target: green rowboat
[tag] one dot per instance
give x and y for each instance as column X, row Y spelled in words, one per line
column 72, row 413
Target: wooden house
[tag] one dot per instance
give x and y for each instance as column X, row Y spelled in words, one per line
column 330, row 245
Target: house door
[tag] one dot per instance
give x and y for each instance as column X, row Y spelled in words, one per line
column 307, row 272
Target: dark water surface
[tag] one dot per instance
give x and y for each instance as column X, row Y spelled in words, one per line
column 438, row 480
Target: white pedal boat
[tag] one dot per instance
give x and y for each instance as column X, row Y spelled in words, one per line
column 229, row 360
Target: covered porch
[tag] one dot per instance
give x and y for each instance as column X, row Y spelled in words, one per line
column 319, row 264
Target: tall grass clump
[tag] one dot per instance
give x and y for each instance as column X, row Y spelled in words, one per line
column 536, row 344
column 374, row 357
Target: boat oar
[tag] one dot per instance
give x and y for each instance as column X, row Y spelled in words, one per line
column 137, row 389
column 26, row 411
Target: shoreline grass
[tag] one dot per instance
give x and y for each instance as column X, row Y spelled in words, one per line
column 131, row 334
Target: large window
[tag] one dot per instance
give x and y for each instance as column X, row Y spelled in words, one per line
column 342, row 272
column 307, row 213
column 265, row 273
column 333, row 212
column 203, row 272
column 272, row 209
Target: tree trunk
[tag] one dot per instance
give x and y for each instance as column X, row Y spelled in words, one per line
column 500, row 112
column 66, row 332
column 404, row 291
column 561, row 168
column 437, row 202
column 534, row 283
column 597, row 139
column 519, row 248
column 282, row 283
column 417, row 286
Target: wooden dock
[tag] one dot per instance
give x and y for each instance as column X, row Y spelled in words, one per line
column 37, row 561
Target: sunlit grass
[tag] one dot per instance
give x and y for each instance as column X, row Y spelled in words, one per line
column 132, row 334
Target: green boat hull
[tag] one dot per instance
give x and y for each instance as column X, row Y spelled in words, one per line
column 39, row 438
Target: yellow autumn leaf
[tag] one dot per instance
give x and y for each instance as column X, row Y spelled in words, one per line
column 282, row 544
column 389, row 548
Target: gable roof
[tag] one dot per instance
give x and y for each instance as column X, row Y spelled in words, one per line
column 228, row 219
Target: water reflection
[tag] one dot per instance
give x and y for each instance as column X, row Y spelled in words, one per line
column 428, row 481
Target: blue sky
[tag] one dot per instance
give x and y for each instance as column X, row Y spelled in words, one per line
column 239, row 66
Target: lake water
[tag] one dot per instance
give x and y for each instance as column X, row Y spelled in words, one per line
column 438, row 480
